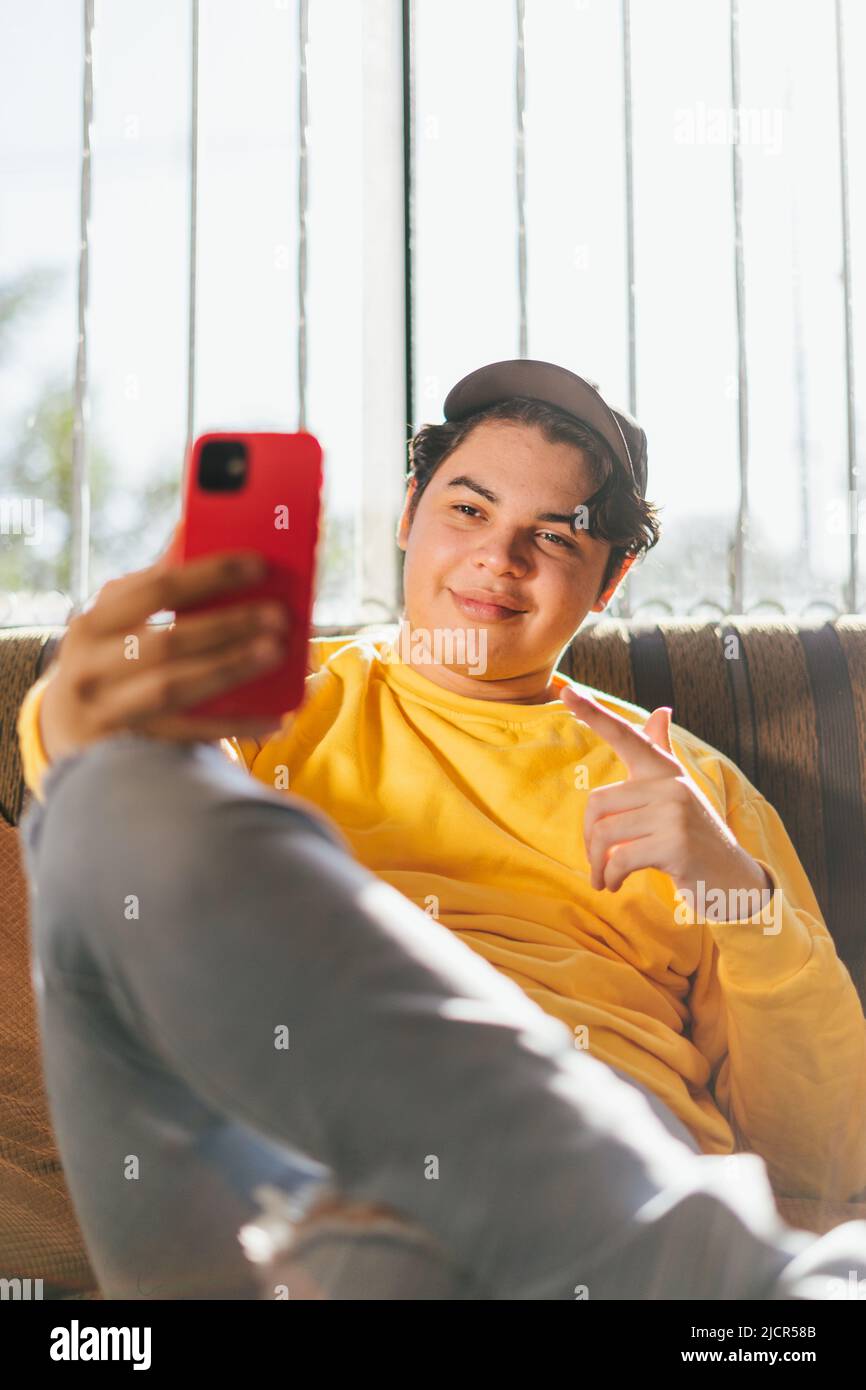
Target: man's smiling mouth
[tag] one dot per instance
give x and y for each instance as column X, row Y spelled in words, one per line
column 475, row 607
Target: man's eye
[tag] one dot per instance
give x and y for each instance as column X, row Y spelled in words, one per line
column 464, row 507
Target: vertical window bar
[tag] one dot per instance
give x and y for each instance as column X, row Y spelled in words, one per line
column 800, row 377
column 193, row 211
column 628, row 129
column 737, row 590
column 382, row 426
column 408, row 49
column 80, row 534
column 853, row 510
column 520, row 153
column 408, row 53
column 800, row 390
column 303, row 97
column 623, row 607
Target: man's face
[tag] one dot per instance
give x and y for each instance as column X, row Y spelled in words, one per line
column 483, row 525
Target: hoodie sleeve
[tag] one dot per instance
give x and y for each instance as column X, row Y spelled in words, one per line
column 34, row 759
column 778, row 1017
column 240, row 750
column 35, row 762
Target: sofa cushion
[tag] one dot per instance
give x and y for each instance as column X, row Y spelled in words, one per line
column 39, row 1235
column 786, row 701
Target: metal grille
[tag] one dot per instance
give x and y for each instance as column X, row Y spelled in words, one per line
column 80, row 503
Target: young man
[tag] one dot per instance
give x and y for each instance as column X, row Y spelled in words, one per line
column 550, row 831
column 467, row 785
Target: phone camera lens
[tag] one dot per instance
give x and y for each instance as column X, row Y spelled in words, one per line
column 222, row 465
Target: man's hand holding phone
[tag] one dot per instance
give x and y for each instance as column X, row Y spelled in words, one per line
column 103, row 683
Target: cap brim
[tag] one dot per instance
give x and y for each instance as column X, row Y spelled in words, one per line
column 543, row 381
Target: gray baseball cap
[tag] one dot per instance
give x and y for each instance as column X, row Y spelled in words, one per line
column 545, row 381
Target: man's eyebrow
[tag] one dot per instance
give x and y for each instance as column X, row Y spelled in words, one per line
column 465, row 481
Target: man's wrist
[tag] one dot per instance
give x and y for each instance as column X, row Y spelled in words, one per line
column 720, row 896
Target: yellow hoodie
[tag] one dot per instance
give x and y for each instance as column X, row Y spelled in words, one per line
column 751, row 1031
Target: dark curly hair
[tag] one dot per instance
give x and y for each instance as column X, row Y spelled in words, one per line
column 616, row 512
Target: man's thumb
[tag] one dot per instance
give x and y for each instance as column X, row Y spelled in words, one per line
column 658, row 728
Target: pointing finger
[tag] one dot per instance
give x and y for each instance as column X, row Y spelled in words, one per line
column 639, row 752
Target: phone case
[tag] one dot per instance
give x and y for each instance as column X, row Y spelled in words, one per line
column 276, row 511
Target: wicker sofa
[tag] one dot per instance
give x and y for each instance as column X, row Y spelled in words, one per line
column 784, row 699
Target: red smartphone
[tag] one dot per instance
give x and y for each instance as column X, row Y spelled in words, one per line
column 258, row 492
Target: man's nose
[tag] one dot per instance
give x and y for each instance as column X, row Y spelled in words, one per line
column 505, row 552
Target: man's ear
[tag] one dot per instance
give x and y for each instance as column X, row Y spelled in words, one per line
column 604, row 599
column 403, row 523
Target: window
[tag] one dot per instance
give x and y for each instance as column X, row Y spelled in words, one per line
column 387, row 196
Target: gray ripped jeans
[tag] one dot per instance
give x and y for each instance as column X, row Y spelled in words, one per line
column 230, row 1004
